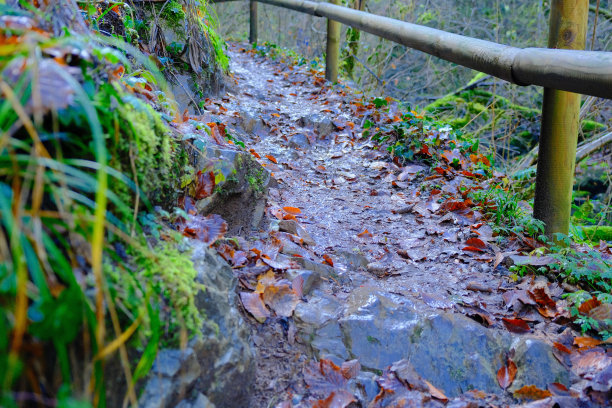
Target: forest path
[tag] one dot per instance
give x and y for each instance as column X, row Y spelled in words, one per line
column 402, row 282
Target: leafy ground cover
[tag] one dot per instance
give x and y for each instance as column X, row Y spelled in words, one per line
column 89, row 145
column 372, row 193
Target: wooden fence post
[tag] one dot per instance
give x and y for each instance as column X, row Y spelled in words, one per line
column 253, row 22
column 333, row 48
column 560, row 121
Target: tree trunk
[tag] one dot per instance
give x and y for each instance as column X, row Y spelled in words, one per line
column 352, row 40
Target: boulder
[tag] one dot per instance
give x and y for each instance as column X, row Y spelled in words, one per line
column 240, row 197
column 217, row 366
column 451, row 351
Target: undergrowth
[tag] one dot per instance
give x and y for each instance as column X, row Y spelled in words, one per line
column 86, row 150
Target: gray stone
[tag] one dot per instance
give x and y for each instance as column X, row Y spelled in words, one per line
column 241, row 197
column 451, row 351
column 295, row 228
column 323, row 269
column 200, row 401
column 224, row 352
column 321, row 124
column 299, row 141
column 220, row 361
column 529, row 353
column 158, row 393
column 310, row 278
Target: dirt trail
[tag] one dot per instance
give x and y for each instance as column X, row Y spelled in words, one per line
column 401, row 285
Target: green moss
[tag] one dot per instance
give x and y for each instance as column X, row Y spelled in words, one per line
column 590, row 125
column 145, row 151
column 174, row 16
column 173, row 277
column 596, row 233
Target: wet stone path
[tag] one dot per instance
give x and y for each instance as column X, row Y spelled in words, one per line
column 383, row 278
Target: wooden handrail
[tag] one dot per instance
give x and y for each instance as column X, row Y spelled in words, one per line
column 585, row 72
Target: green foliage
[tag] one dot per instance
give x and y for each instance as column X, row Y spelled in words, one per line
column 72, row 177
column 510, row 214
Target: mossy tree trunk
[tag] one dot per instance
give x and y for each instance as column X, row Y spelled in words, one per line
column 352, row 41
column 560, row 124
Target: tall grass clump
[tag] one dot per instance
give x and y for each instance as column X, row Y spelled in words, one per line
column 85, row 148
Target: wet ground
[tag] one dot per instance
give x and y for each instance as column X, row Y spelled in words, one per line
column 386, row 277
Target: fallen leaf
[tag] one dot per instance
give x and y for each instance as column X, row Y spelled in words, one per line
column 541, row 297
column 205, row 184
column 254, row 304
column 506, row 374
column 281, row 298
column 562, row 348
column 558, row 389
column 365, row 234
column 586, row 342
column 532, row 392
column 436, row 393
column 328, row 260
column 271, row 158
column 350, row 369
column 472, row 248
column 590, row 304
column 292, row 210
column 476, row 242
column 206, row 229
column 337, row 399
column 516, row 325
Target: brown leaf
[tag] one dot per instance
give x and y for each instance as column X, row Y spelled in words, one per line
column 324, row 376
column 532, row 392
column 558, row 389
column 271, row 158
column 253, row 303
column 472, row 248
column 436, row 393
column 205, row 184
column 328, row 260
column 589, row 305
column 206, row 229
column 506, row 374
column 516, row 325
column 365, row 234
column 541, row 297
column 476, row 242
column 281, row 298
column 350, row 369
column 562, row 348
column 586, row 342
column 337, row 399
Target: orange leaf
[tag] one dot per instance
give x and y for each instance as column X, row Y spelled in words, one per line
column 271, row 158
column 562, row 348
column 586, row 342
column 292, row 210
column 532, row 392
column 328, row 259
column 365, row 234
column 254, row 153
column 506, row 374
